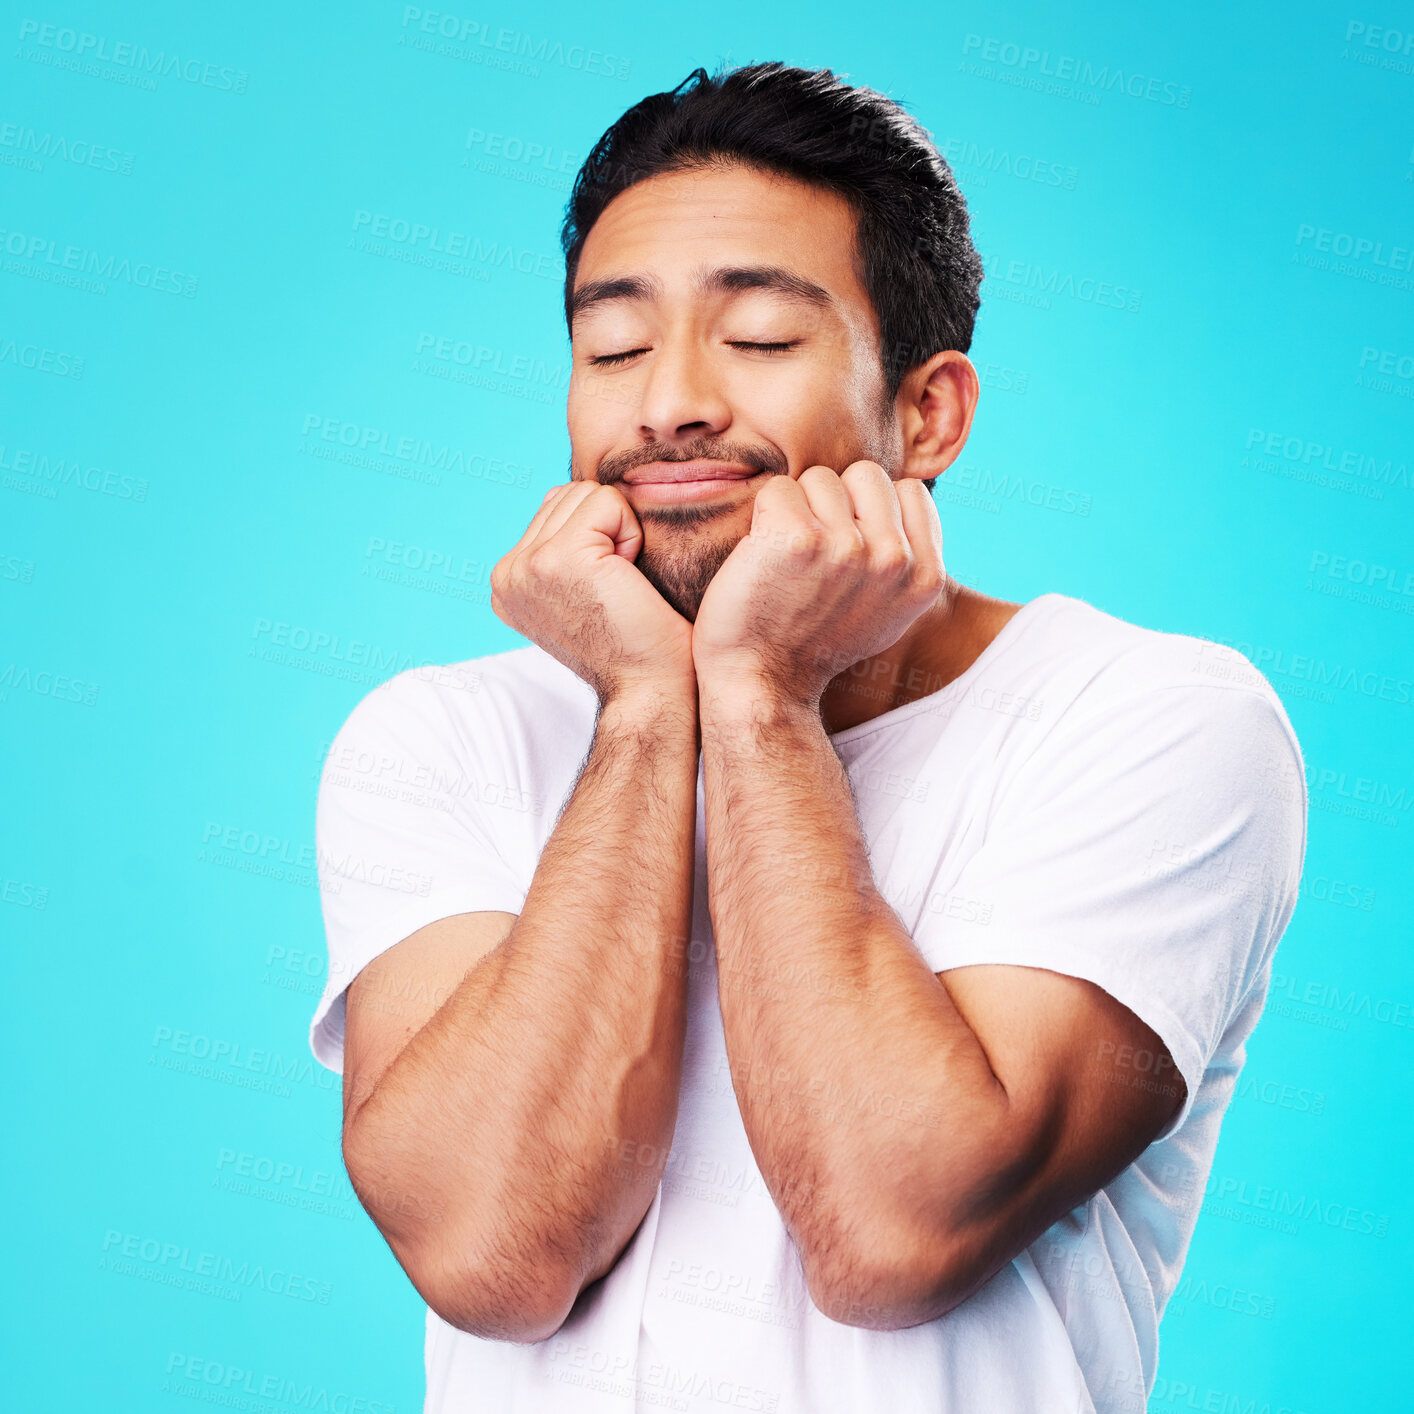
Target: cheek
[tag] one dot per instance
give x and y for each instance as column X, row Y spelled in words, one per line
column 817, row 412
column 780, row 395
column 595, row 411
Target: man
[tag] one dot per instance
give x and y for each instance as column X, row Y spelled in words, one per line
column 795, row 981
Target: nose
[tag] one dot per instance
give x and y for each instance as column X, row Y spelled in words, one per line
column 681, row 396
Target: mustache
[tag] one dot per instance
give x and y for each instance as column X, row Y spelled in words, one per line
column 764, row 457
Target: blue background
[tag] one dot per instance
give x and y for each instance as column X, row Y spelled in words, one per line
column 191, row 550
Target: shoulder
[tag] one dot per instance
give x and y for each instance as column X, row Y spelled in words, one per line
column 423, row 752
column 495, row 685
column 1123, row 668
column 1171, row 722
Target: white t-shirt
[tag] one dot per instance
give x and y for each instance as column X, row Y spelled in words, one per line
column 1092, row 797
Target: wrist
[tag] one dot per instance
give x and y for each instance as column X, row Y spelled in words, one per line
column 735, row 697
column 667, row 703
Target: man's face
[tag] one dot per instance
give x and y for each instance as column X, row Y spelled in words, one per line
column 721, row 332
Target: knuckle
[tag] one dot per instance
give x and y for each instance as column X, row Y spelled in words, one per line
column 792, row 538
column 846, row 549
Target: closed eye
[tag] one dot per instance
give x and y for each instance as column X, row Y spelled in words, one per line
column 609, row 360
column 613, row 360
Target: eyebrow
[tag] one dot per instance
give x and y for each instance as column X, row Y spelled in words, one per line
column 723, row 279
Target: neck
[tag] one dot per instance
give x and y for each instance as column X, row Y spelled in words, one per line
column 939, row 646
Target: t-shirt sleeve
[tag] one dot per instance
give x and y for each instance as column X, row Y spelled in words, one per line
column 1151, row 844
column 401, row 836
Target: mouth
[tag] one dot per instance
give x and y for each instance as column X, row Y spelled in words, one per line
column 659, row 473
column 686, row 481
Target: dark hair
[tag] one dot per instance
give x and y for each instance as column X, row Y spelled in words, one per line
column 915, row 253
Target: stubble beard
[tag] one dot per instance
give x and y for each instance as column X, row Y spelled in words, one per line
column 685, row 545
column 680, row 555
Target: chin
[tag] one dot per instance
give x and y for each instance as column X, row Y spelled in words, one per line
column 680, row 564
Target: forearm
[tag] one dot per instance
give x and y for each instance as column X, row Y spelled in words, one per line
column 557, row 1047
column 850, row 1061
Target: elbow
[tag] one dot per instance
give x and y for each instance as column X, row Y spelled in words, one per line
column 521, row 1308
column 888, row 1284
column 482, row 1287
column 476, row 1285
column 469, row 1279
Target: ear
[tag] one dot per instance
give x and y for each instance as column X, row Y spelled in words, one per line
column 934, row 408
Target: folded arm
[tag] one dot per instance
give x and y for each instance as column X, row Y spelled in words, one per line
column 486, row 1117
column 916, row 1130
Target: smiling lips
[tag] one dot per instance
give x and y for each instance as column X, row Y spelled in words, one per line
column 657, row 473
column 686, row 481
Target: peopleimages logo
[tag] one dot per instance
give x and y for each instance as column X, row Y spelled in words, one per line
column 377, row 233
column 135, row 1254
column 39, row 359
column 990, row 161
column 52, row 472
column 1048, row 280
column 1386, row 371
column 1067, row 69
column 1377, row 46
column 44, row 253
column 421, row 459
column 1357, row 247
column 1268, row 451
column 71, row 48
column 216, row 1382
column 32, row 149
column 460, row 37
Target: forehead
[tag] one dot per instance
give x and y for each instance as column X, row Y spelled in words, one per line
column 681, row 222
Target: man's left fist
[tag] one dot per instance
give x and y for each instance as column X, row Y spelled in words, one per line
column 835, row 569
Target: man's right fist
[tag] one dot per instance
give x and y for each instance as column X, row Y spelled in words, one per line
column 570, row 585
